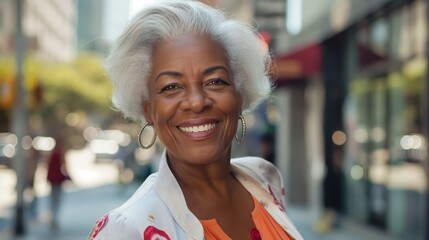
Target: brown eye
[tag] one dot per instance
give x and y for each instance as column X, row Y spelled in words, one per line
column 169, row 87
column 216, row 82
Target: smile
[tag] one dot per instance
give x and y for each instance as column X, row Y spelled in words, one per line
column 200, row 128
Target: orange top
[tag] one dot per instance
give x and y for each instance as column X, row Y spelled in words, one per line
column 266, row 227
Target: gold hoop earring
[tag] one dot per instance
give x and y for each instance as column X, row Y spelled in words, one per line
column 243, row 131
column 141, row 133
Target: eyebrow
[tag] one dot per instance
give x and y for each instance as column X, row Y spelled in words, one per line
column 178, row 74
column 170, row 73
column 214, row 68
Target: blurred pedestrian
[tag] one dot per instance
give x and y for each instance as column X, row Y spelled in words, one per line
column 31, row 164
column 190, row 73
column 57, row 174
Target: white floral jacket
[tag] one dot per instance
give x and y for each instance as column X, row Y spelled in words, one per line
column 158, row 210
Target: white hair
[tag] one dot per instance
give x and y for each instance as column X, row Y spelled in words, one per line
column 129, row 62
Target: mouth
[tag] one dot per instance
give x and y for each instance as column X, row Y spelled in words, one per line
column 198, row 128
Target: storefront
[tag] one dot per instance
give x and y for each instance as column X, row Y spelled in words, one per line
column 385, row 153
column 374, row 70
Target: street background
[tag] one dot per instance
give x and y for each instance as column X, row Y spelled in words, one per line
column 83, row 206
column 347, row 124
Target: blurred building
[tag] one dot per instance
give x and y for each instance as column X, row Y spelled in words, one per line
column 100, row 23
column 49, row 32
column 49, row 27
column 117, row 15
column 90, row 26
column 351, row 99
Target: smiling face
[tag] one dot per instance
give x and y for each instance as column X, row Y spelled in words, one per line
column 193, row 103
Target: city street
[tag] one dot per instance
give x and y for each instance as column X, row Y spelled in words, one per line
column 83, row 203
column 82, row 208
column 334, row 93
column 92, row 192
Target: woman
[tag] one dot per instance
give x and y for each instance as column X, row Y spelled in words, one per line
column 190, row 74
column 57, row 174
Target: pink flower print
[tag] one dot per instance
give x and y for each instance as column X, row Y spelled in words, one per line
column 269, row 173
column 98, row 226
column 254, row 234
column 153, row 233
column 276, row 201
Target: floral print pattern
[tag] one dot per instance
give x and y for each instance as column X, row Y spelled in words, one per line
column 276, row 200
column 153, row 233
column 258, row 176
column 98, row 226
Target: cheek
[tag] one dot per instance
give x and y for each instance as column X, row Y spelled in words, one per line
column 163, row 110
column 231, row 104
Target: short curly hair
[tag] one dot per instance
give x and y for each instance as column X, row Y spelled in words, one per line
column 129, row 62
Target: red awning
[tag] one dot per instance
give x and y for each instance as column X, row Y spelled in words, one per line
column 298, row 64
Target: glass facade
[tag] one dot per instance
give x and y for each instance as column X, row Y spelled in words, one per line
column 383, row 116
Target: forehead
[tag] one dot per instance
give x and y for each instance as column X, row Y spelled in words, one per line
column 201, row 50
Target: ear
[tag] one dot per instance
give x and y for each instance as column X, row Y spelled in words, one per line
column 147, row 111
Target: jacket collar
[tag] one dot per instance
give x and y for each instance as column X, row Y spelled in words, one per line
column 170, row 192
column 260, row 192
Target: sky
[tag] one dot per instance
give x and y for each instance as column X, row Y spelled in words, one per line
column 116, row 20
column 136, row 5
column 116, row 16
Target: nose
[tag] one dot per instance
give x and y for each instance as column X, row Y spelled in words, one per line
column 196, row 100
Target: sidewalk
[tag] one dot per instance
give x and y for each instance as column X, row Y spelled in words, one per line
column 82, row 208
column 79, row 211
column 348, row 229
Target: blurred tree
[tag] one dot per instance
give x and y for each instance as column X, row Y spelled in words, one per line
column 56, row 89
column 82, row 85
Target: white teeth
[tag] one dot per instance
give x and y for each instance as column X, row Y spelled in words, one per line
column 201, row 128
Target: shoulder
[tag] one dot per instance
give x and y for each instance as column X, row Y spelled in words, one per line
column 259, row 169
column 144, row 213
column 265, row 173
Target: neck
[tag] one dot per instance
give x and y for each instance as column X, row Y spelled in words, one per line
column 204, row 180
